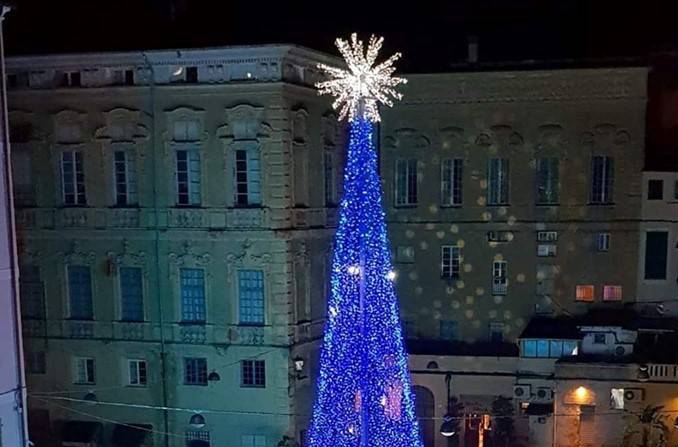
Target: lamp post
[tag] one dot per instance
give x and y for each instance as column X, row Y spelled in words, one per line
column 449, row 427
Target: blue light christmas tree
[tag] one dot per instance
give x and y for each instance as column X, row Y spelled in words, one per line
column 364, row 396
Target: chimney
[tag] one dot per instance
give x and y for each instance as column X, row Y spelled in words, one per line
column 472, row 56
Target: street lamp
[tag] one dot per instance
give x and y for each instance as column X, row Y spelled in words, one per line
column 449, row 427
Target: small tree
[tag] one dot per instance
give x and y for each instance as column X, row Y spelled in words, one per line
column 503, row 430
column 647, row 428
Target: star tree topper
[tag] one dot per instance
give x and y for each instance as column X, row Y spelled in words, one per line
column 359, row 90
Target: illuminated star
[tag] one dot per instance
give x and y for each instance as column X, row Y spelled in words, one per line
column 359, row 90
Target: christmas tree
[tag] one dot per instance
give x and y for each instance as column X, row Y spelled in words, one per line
column 364, row 396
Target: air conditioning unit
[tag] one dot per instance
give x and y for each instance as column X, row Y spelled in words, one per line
column 522, row 392
column 634, row 395
column 543, row 394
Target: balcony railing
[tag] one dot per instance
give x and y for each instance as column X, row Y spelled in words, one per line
column 499, row 287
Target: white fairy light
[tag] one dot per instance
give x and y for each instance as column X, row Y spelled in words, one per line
column 391, row 275
column 359, row 90
column 353, row 269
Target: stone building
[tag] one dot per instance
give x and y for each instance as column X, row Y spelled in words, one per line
column 173, row 208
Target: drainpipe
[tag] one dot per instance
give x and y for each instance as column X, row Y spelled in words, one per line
column 13, row 267
column 156, row 247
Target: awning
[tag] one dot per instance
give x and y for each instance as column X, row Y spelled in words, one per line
column 130, row 435
column 78, row 433
column 535, row 409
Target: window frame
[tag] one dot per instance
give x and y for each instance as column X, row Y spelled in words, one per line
column 84, row 316
column 77, row 182
column 88, row 370
column 410, row 186
column 253, row 373
column 452, row 268
column 121, row 294
column 602, row 190
column 197, row 377
column 547, row 181
column 583, row 298
column 188, row 301
column 130, row 196
column 138, row 363
column 451, row 182
column 193, row 183
column 251, row 318
column 250, row 178
column 500, row 277
column 499, row 188
column 603, row 240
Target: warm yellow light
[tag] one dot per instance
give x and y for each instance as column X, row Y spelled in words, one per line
column 581, row 393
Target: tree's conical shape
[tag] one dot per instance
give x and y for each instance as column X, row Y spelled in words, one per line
column 364, row 395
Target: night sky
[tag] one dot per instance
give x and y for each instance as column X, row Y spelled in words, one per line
column 432, row 35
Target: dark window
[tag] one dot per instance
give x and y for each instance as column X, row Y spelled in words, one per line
column 31, row 291
column 131, row 294
column 656, row 243
column 602, row 179
column 655, row 190
column 129, row 77
column 449, row 330
column 599, row 339
column 195, row 371
column 253, row 373
column 75, row 79
column 192, row 75
column 675, row 190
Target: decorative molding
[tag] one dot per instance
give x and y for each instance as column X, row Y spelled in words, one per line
column 130, row 121
column 407, row 138
column 550, row 136
column 244, row 122
column 452, row 137
column 127, row 257
column 605, row 136
column 499, row 136
column 299, row 126
column 187, row 257
column 75, row 256
column 247, row 257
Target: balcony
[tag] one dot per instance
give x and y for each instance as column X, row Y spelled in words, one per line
column 499, row 286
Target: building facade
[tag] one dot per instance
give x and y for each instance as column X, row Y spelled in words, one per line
column 173, row 209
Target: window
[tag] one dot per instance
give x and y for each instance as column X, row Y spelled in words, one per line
column 449, row 330
column 499, row 236
column 195, row 371
column 602, row 179
column 253, row 441
column 22, row 178
column 330, row 180
column 603, row 240
column 617, row 398
column 125, row 178
column 675, row 190
column 197, row 438
column 656, row 245
column 406, row 182
column 548, row 348
column 72, row 178
column 137, row 372
column 192, row 75
column 253, row 373
column 496, row 332
column 123, row 77
column 546, row 250
column 405, row 254
column 547, row 236
column 547, row 181
column 35, row 362
column 498, row 181
column 188, row 177
column 450, row 261
column 584, row 293
column 131, row 294
column 451, row 181
column 247, row 177
column 84, row 372
column 70, row 79
column 192, row 295
column 31, row 292
column 655, row 189
column 612, row 293
column 251, row 297
column 80, row 292
column 598, row 339
column 20, row 133
column 499, row 278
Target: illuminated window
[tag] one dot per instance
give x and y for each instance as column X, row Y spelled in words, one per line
column 585, row 293
column 612, row 293
column 617, row 398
